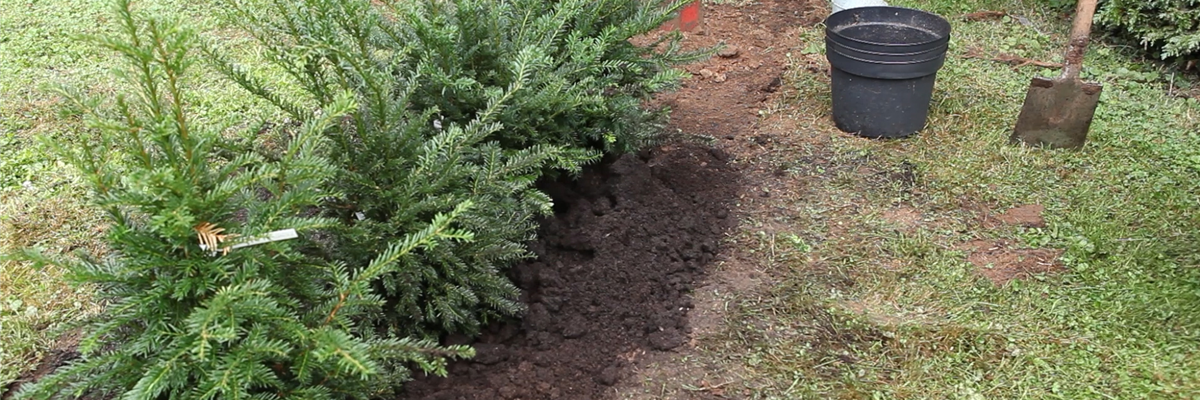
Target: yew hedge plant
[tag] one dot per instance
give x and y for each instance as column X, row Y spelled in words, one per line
column 189, row 316
column 521, row 87
column 406, row 169
column 1166, row 29
column 1169, row 28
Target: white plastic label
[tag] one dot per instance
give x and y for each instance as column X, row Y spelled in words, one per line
column 275, row 236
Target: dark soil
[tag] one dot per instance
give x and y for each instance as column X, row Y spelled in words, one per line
column 612, row 285
column 613, row 277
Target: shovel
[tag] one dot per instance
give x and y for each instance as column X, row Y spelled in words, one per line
column 1058, row 112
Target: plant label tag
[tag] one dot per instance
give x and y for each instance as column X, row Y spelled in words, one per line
column 275, row 236
column 360, row 215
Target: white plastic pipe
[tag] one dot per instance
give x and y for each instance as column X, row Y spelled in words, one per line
column 839, row 5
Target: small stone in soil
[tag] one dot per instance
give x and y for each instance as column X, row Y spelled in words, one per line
column 709, row 74
column 729, row 51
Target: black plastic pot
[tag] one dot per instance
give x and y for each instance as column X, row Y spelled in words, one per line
column 885, row 61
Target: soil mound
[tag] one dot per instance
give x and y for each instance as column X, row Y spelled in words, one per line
column 612, row 279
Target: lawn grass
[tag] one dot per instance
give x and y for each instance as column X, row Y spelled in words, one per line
column 866, row 307
column 38, row 202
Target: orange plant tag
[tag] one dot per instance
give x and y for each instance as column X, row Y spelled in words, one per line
column 689, row 16
column 688, row 19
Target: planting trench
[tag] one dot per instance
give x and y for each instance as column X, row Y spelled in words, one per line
column 612, row 277
column 631, row 239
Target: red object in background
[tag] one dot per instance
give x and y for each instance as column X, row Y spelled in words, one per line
column 688, row 19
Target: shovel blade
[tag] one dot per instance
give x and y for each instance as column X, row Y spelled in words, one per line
column 1057, row 113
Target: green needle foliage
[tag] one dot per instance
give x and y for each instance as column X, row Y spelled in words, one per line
column 467, row 100
column 1171, row 28
column 588, row 84
column 397, row 169
column 404, row 119
column 183, row 320
column 582, row 83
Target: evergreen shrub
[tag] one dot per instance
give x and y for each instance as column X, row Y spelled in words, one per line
column 187, row 314
column 508, row 90
column 415, row 134
column 397, row 167
column 1170, row 28
column 1165, row 28
column 582, row 82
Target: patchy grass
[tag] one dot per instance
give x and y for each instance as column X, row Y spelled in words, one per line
column 37, row 304
column 40, row 203
column 874, row 296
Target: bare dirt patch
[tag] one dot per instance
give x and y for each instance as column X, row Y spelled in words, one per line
column 724, row 103
column 1028, row 216
column 61, row 353
column 1000, row 261
column 906, row 217
column 724, row 97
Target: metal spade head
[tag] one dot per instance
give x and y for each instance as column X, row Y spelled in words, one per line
column 1057, row 112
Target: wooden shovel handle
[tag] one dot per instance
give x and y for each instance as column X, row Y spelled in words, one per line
column 1081, row 31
